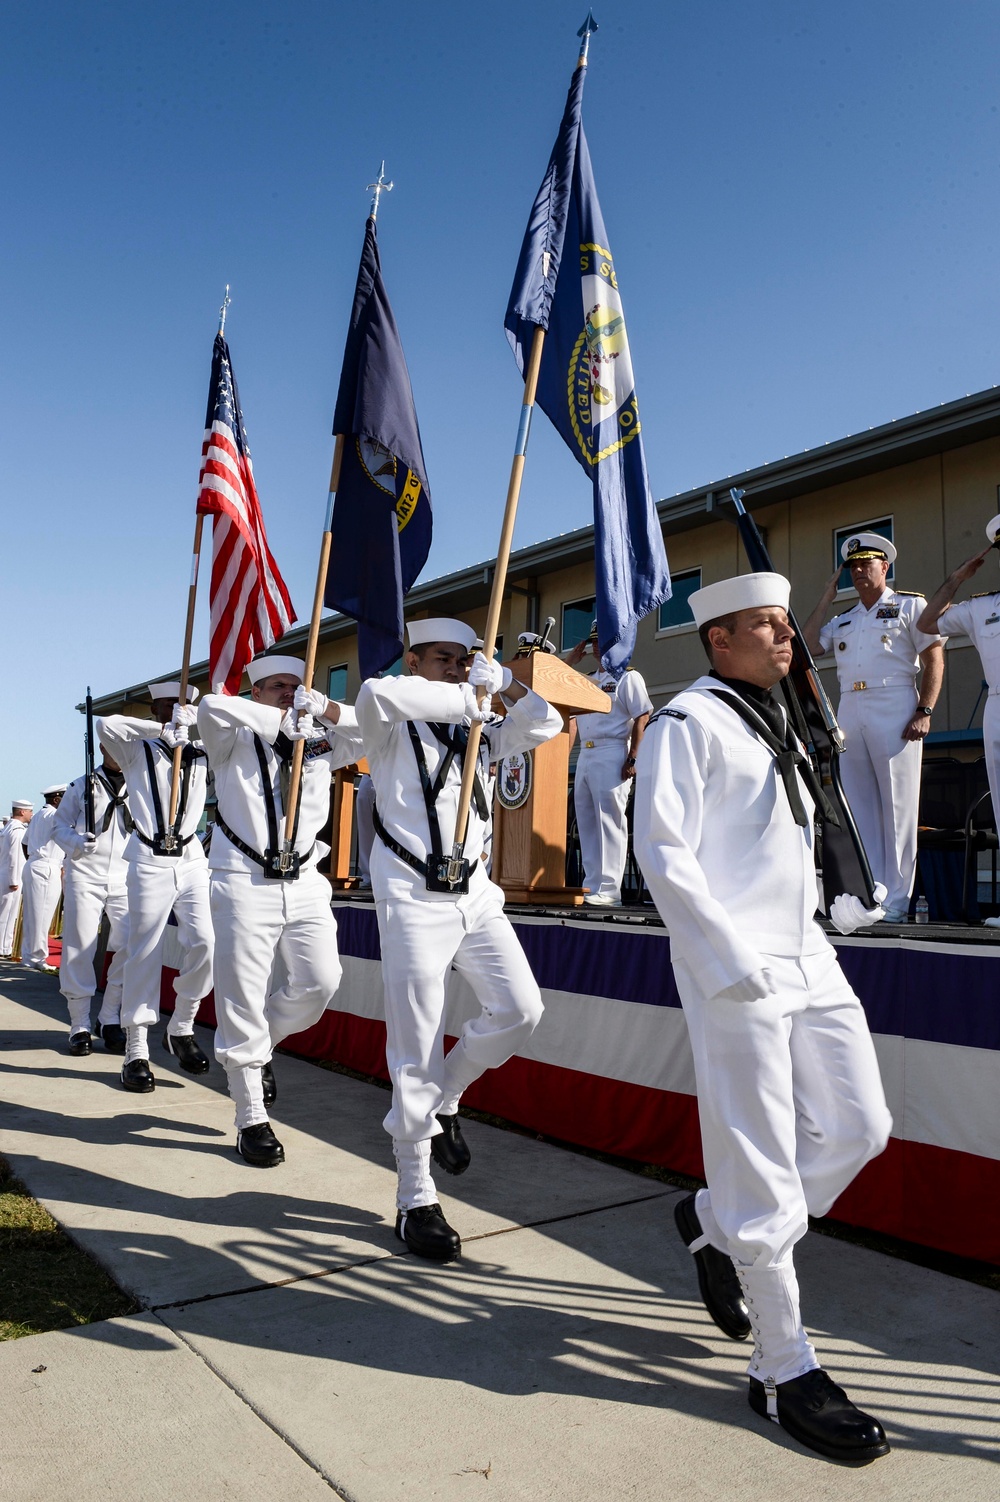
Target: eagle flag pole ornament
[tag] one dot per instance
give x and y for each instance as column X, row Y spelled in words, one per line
column 845, row 863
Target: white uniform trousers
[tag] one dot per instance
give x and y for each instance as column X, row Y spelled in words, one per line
column 41, row 884
column 600, row 798
column 10, row 903
column 881, row 775
column 364, row 803
column 85, row 900
column 991, row 747
column 154, row 891
column 257, row 920
column 421, row 940
column 792, row 1108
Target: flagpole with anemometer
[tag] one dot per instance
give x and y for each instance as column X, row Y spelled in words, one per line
column 170, row 837
column 286, row 858
column 456, row 867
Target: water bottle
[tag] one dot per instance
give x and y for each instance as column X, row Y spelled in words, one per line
column 920, row 912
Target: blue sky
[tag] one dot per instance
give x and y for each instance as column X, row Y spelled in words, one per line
column 802, row 202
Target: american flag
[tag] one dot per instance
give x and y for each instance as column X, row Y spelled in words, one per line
column 250, row 607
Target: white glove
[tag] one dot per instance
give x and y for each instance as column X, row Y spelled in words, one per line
column 87, row 846
column 296, row 729
column 172, row 737
column 492, row 676
column 184, row 714
column 309, row 701
column 472, row 709
column 847, row 913
column 752, row 987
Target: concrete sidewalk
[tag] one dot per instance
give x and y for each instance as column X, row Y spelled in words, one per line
column 292, row 1349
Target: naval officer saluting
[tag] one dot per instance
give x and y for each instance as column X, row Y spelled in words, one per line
column 789, row 1094
column 264, row 908
column 414, row 732
column 880, row 652
column 167, row 873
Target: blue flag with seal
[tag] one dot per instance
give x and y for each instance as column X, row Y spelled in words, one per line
column 565, row 283
column 381, row 524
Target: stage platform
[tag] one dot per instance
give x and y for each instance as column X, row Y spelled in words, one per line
column 610, row 1067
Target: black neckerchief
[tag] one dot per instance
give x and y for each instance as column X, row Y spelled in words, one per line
column 760, row 699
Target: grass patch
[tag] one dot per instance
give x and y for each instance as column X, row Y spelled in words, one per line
column 46, row 1281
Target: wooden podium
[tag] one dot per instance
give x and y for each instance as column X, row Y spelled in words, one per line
column 530, row 806
column 342, row 827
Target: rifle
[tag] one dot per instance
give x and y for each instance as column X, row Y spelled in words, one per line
column 842, row 855
column 88, row 787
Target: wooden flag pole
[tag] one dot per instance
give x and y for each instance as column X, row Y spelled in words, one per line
column 295, row 776
column 497, row 592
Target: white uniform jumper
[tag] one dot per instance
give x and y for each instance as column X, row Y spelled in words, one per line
column 12, row 860
column 159, row 885
column 600, row 792
column 42, row 882
column 423, row 934
column 979, row 619
column 256, row 917
column 877, row 656
column 789, row 1094
column 93, row 884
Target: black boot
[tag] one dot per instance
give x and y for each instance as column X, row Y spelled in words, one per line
column 428, row 1234
column 717, row 1281
column 449, row 1149
column 138, row 1077
column 258, row 1145
column 268, row 1084
column 112, row 1036
column 187, row 1053
column 79, row 1044
column 820, row 1415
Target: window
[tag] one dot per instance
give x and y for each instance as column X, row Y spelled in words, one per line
column 883, row 526
column 676, row 611
column 336, row 684
column 393, row 671
column 577, row 619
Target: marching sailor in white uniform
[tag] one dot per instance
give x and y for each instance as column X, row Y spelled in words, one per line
column 167, row 873
column 880, row 653
column 414, row 737
column 789, row 1094
column 979, row 619
column 262, row 908
column 42, row 882
column 603, row 779
column 12, row 858
column 94, row 884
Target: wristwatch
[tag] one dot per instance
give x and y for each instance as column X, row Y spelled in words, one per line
column 923, row 709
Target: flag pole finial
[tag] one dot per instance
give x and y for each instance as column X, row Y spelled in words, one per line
column 585, row 33
column 376, row 188
column 223, row 310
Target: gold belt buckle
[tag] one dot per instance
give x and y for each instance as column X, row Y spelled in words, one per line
column 589, row 745
column 859, row 686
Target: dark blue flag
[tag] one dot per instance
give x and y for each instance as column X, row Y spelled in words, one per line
column 382, row 512
column 565, row 283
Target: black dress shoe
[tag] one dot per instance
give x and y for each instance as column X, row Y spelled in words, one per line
column 449, row 1149
column 258, row 1145
column 138, row 1077
column 268, row 1084
column 428, row 1234
column 820, row 1415
column 79, row 1044
column 112, row 1036
column 717, row 1281
column 187, row 1053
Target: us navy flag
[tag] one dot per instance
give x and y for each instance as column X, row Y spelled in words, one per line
column 381, row 528
column 565, row 283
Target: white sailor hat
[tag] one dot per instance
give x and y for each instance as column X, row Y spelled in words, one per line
column 993, row 529
column 57, row 787
column 170, row 689
column 441, row 628
column 745, row 592
column 22, row 803
column 861, row 546
column 269, row 667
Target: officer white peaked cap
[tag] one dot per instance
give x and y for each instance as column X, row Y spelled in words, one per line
column 22, row 803
column 441, row 628
column 170, row 689
column 269, row 667
column 57, row 787
column 993, row 529
column 861, row 546
column 745, row 592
